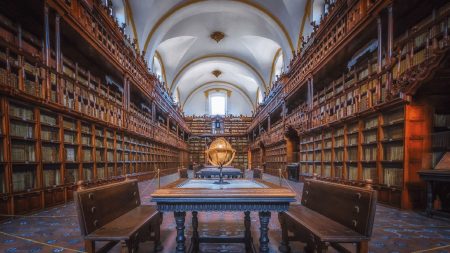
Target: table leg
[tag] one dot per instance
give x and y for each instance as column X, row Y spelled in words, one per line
column 248, row 233
column 179, row 219
column 195, row 237
column 264, row 218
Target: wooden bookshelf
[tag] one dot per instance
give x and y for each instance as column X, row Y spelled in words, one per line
column 204, row 129
column 367, row 117
column 68, row 115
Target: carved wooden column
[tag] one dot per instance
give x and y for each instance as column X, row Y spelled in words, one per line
column 58, row 42
column 168, row 124
column 153, row 111
column 310, row 93
column 380, row 58
column 390, row 43
column 46, row 36
column 46, row 84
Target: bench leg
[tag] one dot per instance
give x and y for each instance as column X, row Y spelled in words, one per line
column 89, row 246
column 126, row 246
column 310, row 243
column 362, row 247
column 322, row 247
column 156, row 226
column 284, row 245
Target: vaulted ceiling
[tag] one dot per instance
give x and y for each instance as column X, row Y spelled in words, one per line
column 197, row 43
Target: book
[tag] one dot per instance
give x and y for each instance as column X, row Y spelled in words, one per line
column 22, row 152
column 393, row 176
column 51, row 176
column 393, row 152
column 71, row 174
column 352, row 172
column 23, row 178
column 369, row 172
column 70, row 154
column 21, row 112
column 50, row 153
column 70, row 137
column 88, row 173
column 49, row 133
column 22, row 129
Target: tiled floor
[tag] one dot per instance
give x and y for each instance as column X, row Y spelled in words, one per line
column 56, row 229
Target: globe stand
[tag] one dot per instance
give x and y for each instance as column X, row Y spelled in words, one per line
column 221, row 177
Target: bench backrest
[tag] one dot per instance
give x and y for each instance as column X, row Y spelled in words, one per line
column 98, row 206
column 353, row 207
column 183, row 173
column 257, row 173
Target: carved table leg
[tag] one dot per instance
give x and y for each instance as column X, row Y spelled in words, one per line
column 179, row 219
column 195, row 238
column 248, row 232
column 284, row 245
column 264, row 218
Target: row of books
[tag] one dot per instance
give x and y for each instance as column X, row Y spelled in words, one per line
column 393, row 152
column 51, row 177
column 441, row 120
column 50, row 153
column 370, row 153
column 22, row 129
column 8, row 79
column 49, row 119
column 23, row 152
column 370, row 136
column 393, row 133
column 21, row 112
column 49, row 134
column 370, row 173
column 23, row 179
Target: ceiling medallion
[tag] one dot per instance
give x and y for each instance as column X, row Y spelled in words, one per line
column 217, row 36
column 216, row 73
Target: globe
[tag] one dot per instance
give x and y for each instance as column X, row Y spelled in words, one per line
column 220, row 153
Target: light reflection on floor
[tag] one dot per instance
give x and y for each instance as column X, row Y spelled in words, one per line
column 56, row 229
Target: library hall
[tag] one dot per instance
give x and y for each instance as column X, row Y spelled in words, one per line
column 225, row 126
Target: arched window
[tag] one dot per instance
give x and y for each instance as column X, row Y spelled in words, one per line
column 259, row 96
column 317, row 10
column 278, row 66
column 217, row 103
column 118, row 9
column 158, row 68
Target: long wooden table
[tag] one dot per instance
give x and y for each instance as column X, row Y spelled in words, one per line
column 242, row 195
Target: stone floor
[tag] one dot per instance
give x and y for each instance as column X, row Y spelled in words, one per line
column 56, row 229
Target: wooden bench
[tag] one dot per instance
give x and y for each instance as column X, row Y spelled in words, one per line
column 330, row 214
column 183, row 173
column 113, row 213
column 257, row 173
